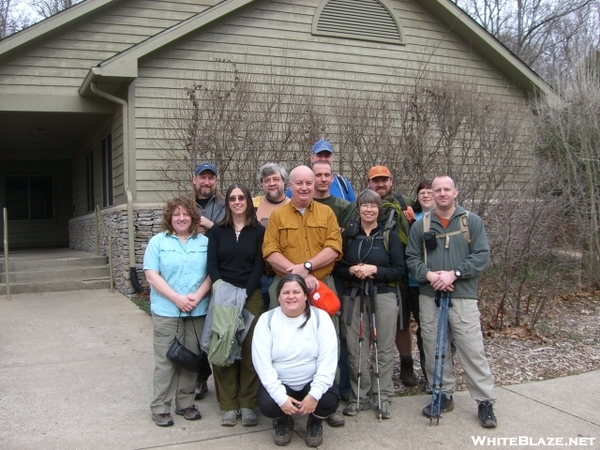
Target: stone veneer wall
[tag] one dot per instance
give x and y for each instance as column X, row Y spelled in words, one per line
column 146, row 220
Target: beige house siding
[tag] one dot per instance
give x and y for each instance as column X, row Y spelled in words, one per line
column 272, row 33
column 63, row 60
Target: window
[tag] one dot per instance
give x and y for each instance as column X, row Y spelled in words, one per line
column 89, row 165
column 29, row 198
column 107, row 171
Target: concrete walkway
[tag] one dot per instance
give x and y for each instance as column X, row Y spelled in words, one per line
column 76, row 373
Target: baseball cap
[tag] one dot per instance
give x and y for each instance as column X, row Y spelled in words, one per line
column 322, row 146
column 379, row 171
column 205, row 166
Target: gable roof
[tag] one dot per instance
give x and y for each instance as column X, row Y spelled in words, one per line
column 124, row 66
column 51, row 25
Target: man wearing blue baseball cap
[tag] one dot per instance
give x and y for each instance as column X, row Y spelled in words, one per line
column 340, row 187
column 210, row 205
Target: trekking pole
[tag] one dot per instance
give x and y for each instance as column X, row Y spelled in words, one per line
column 432, row 405
column 361, row 309
column 372, row 294
column 435, row 408
column 445, row 302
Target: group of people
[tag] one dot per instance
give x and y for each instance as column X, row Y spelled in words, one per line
column 239, row 272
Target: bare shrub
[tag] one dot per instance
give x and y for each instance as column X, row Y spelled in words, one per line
column 524, row 267
column 569, row 140
column 239, row 120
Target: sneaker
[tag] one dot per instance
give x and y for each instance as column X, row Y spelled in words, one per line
column 189, row 413
column 407, row 375
column 249, row 419
column 229, row 419
column 352, row 409
column 336, row 420
column 283, row 430
column 314, row 426
column 486, row 415
column 447, row 406
column 162, row 419
column 383, row 411
column 201, row 389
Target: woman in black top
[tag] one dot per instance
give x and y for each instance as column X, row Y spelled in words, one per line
column 235, row 256
column 372, row 264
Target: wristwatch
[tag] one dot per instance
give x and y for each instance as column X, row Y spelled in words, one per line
column 308, row 266
column 457, row 273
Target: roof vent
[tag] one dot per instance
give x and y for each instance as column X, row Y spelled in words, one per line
column 367, row 20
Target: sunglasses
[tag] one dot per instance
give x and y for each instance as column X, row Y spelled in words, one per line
column 239, row 198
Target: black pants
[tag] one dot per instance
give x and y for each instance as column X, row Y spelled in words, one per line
column 325, row 407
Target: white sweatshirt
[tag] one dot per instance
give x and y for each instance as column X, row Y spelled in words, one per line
column 294, row 356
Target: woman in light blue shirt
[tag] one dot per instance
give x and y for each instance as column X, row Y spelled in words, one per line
column 175, row 267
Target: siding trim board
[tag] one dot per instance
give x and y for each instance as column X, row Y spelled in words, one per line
column 365, row 20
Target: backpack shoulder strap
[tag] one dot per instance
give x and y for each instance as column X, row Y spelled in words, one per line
column 464, row 227
column 400, row 199
column 426, row 222
column 343, row 184
column 269, row 318
column 313, row 309
column 317, row 315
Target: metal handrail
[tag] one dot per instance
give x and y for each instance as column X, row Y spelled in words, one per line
column 6, row 268
column 100, row 219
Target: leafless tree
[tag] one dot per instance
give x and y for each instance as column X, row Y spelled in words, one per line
column 11, row 19
column 47, row 8
column 545, row 34
column 569, row 139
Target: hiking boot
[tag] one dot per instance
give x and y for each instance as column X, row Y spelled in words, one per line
column 189, row 413
column 352, row 410
column 201, row 389
column 336, row 420
column 162, row 419
column 249, row 419
column 283, row 430
column 229, row 419
column 383, row 411
column 314, row 426
column 486, row 415
column 447, row 406
column 407, row 375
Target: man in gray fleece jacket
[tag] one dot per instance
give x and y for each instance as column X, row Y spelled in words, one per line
column 453, row 266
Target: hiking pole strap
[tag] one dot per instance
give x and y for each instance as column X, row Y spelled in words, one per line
column 400, row 309
column 350, row 307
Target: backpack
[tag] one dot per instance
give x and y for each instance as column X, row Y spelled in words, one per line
column 397, row 208
column 464, row 230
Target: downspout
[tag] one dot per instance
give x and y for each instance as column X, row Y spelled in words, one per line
column 135, row 282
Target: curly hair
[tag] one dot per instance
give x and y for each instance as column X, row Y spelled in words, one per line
column 188, row 204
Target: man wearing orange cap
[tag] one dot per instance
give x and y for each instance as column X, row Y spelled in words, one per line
column 397, row 214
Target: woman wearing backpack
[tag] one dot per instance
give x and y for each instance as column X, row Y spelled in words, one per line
column 372, row 264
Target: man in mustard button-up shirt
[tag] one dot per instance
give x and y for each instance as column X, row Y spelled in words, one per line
column 303, row 236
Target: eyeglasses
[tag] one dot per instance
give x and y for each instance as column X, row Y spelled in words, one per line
column 423, row 193
column 239, row 198
column 271, row 180
column 369, row 206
